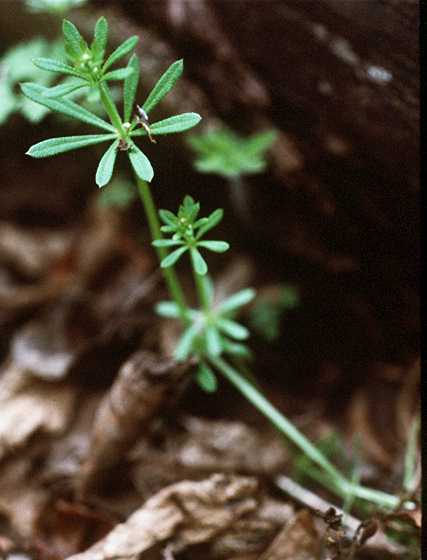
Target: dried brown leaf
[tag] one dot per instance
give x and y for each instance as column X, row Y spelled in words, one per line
column 29, row 406
column 298, row 540
column 145, row 386
column 181, row 515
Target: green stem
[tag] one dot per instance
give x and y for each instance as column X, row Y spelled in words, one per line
column 200, row 282
column 169, row 275
column 111, row 109
column 340, row 483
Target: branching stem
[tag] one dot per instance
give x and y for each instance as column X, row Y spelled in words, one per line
column 111, row 109
column 169, row 275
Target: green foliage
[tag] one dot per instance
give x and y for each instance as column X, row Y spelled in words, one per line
column 225, row 153
column 87, row 62
column 16, row 66
column 187, row 231
column 206, row 378
column 87, row 67
column 53, row 6
column 39, row 94
column 164, row 85
column 267, row 312
column 119, row 194
column 211, row 331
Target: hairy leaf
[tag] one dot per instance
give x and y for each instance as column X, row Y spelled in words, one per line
column 64, row 89
column 67, row 107
column 100, row 38
column 57, row 66
column 171, row 125
column 119, row 74
column 122, row 50
column 130, row 87
column 164, row 85
column 140, row 163
column 55, row 146
column 75, row 45
column 106, row 165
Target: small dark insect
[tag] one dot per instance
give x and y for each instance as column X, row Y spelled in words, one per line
column 142, row 119
column 333, row 519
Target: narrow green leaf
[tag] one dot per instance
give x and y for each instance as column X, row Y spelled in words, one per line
column 140, row 163
column 213, row 341
column 214, row 218
column 236, row 349
column 185, row 343
column 168, row 217
column 168, row 309
column 216, row 246
column 51, row 65
column 233, row 329
column 237, row 300
column 74, row 42
column 260, row 142
column 200, row 222
column 168, row 229
column 206, row 378
column 36, row 93
column 166, row 243
column 164, row 85
column 106, row 165
column 171, row 125
column 119, row 74
column 64, row 89
column 122, row 50
column 130, row 87
column 100, row 38
column 199, row 262
column 171, row 259
column 55, row 146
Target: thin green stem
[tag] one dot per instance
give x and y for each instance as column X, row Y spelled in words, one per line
column 169, row 275
column 339, row 482
column 111, row 109
column 200, row 282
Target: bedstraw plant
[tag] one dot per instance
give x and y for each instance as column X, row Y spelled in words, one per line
column 211, row 337
column 223, row 152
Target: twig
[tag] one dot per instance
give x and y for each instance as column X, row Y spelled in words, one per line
column 318, row 504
